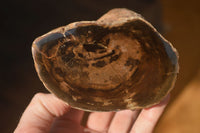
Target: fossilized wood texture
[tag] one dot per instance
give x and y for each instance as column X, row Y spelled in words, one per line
column 117, row 62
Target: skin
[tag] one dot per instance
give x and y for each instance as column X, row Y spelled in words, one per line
column 46, row 113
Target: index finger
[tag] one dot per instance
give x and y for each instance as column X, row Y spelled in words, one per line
column 148, row 118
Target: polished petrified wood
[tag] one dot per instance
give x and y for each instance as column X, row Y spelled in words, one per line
column 117, row 62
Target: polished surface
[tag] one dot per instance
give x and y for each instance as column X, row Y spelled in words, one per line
column 117, row 62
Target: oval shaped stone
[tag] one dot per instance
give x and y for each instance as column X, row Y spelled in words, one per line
column 118, row 62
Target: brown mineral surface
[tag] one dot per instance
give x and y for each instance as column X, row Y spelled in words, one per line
column 118, row 62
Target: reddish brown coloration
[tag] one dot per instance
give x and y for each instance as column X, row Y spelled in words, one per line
column 117, row 62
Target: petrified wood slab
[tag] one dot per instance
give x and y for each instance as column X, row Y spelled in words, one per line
column 117, row 62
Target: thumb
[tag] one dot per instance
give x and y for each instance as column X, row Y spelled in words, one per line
column 40, row 113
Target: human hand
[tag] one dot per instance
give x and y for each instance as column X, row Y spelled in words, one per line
column 46, row 113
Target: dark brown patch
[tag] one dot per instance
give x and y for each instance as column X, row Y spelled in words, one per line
column 107, row 42
column 114, row 58
column 74, row 62
column 80, row 55
column 92, row 47
column 132, row 62
column 59, row 72
column 99, row 64
column 68, row 57
column 63, row 48
column 102, row 51
column 107, row 55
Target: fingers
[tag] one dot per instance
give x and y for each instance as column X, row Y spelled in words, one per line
column 127, row 121
column 122, row 121
column 100, row 121
column 40, row 113
column 148, row 118
column 112, row 122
